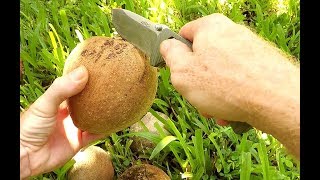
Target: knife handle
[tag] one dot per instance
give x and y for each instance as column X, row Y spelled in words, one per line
column 238, row 127
column 168, row 34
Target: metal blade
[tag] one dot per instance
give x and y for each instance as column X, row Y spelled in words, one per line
column 136, row 29
column 144, row 34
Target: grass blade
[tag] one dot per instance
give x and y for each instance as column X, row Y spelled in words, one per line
column 245, row 166
column 66, row 29
column 211, row 137
column 198, row 144
column 162, row 144
column 263, row 156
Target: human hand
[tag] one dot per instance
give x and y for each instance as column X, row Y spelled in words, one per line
column 232, row 74
column 48, row 137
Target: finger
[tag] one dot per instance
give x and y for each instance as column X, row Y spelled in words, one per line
column 175, row 53
column 88, row 138
column 71, row 133
column 222, row 122
column 189, row 30
column 212, row 23
column 61, row 89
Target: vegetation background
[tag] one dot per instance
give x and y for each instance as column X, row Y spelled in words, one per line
column 196, row 148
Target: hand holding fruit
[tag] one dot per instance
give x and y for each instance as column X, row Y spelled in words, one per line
column 48, row 138
column 119, row 91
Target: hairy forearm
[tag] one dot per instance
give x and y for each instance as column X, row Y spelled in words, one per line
column 276, row 101
column 24, row 163
column 279, row 116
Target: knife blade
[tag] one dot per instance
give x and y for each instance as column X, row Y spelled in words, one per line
column 144, row 34
column 147, row 36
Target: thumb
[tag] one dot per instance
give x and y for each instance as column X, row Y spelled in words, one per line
column 174, row 52
column 61, row 89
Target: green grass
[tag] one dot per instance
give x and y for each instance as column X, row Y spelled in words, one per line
column 196, row 148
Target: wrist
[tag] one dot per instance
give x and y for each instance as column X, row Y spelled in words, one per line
column 25, row 170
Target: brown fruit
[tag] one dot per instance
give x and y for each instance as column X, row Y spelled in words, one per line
column 121, row 87
column 91, row 164
column 139, row 143
column 144, row 172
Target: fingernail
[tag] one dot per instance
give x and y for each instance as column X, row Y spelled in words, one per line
column 78, row 73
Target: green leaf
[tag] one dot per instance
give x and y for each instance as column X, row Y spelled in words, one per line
column 202, row 126
column 288, row 163
column 280, row 162
column 245, row 167
column 126, row 162
column 66, row 28
column 211, row 137
column 218, row 166
column 162, row 144
column 66, row 168
column 198, row 144
column 263, row 155
column 161, row 102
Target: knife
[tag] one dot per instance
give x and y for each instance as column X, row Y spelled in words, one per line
column 147, row 36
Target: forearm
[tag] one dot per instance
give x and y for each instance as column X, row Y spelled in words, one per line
column 24, row 163
column 274, row 107
column 280, row 118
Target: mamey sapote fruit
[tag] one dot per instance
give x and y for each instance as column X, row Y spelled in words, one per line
column 91, row 164
column 121, row 87
column 139, row 143
column 144, row 172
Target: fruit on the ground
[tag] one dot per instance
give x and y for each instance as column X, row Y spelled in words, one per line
column 91, row 164
column 144, row 172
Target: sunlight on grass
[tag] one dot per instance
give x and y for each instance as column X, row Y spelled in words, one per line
column 79, row 35
column 281, row 7
column 222, row 2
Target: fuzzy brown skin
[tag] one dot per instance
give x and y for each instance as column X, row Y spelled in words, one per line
column 140, row 144
column 144, row 172
column 95, row 163
column 121, row 87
